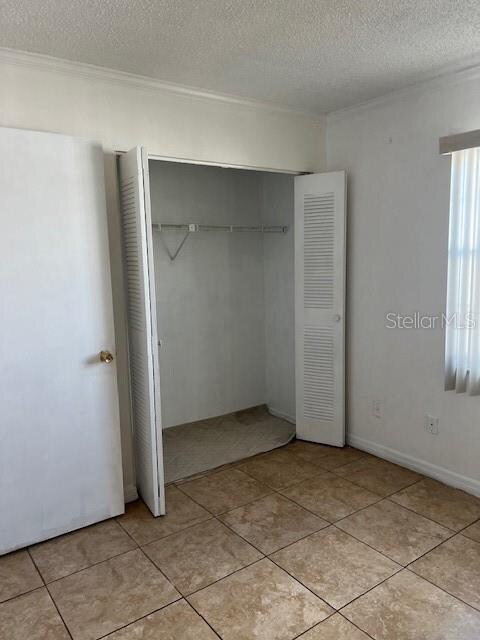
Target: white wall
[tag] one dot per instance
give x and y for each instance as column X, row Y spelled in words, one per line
column 279, row 279
column 121, row 111
column 210, row 300
column 398, row 226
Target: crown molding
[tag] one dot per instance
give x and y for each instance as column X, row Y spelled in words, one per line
column 435, row 83
column 106, row 75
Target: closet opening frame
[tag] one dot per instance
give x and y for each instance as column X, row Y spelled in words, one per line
column 201, row 162
column 221, row 165
column 224, row 165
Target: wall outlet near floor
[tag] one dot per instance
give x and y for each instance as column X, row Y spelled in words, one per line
column 377, row 409
column 431, row 424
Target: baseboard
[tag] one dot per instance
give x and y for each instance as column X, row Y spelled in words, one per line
column 130, row 493
column 421, row 466
column 280, row 414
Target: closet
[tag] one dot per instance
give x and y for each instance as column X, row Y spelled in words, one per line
column 235, row 287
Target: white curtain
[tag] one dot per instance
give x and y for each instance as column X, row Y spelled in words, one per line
column 462, row 346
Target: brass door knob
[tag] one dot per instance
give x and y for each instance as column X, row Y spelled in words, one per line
column 106, row 357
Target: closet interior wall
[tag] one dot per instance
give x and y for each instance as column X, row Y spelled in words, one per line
column 225, row 305
column 279, row 299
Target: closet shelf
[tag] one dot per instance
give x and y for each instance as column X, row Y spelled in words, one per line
column 193, row 228
column 230, row 228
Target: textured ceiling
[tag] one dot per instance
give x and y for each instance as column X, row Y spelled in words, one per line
column 315, row 55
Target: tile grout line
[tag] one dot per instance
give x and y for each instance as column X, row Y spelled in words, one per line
column 463, row 529
column 293, row 484
column 279, row 567
column 203, row 618
column 208, row 585
column 352, row 482
column 368, row 591
column 335, row 610
column 388, row 497
column 24, row 593
column 450, row 537
column 355, row 625
column 214, row 472
column 321, row 470
column 232, row 573
column 399, row 504
column 205, row 474
column 265, row 557
column 161, row 573
column 35, row 565
column 155, row 566
column 228, row 465
column 124, row 626
column 453, row 533
column 324, row 517
column 395, row 574
column 214, row 517
column 334, row 524
column 369, row 546
column 49, row 594
column 221, row 513
column 94, row 564
column 189, row 526
column 418, row 575
column 317, row 624
column 70, row 633
column 217, row 518
column 181, row 596
column 132, row 621
column 404, row 566
column 175, row 533
column 178, row 599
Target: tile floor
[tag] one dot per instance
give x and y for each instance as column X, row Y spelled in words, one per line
column 304, row 542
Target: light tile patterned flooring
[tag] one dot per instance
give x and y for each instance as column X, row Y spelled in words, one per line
column 304, row 542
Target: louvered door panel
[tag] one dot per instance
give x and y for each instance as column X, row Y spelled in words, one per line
column 143, row 354
column 319, row 307
column 318, row 250
column 319, row 373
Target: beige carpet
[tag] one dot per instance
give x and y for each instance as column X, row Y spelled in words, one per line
column 198, row 446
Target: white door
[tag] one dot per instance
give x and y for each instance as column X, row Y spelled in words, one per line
column 142, row 328
column 320, row 211
column 60, row 457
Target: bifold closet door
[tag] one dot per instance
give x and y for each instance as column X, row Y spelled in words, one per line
column 60, row 456
column 142, row 328
column 320, row 211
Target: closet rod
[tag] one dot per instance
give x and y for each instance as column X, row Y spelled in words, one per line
column 231, row 228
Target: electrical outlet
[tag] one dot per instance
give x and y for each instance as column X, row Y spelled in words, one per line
column 377, row 409
column 431, row 424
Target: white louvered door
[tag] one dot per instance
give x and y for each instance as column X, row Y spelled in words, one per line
column 320, row 209
column 142, row 328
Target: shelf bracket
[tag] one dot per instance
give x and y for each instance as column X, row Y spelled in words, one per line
column 173, row 255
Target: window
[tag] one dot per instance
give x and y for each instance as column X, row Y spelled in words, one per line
column 462, row 346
